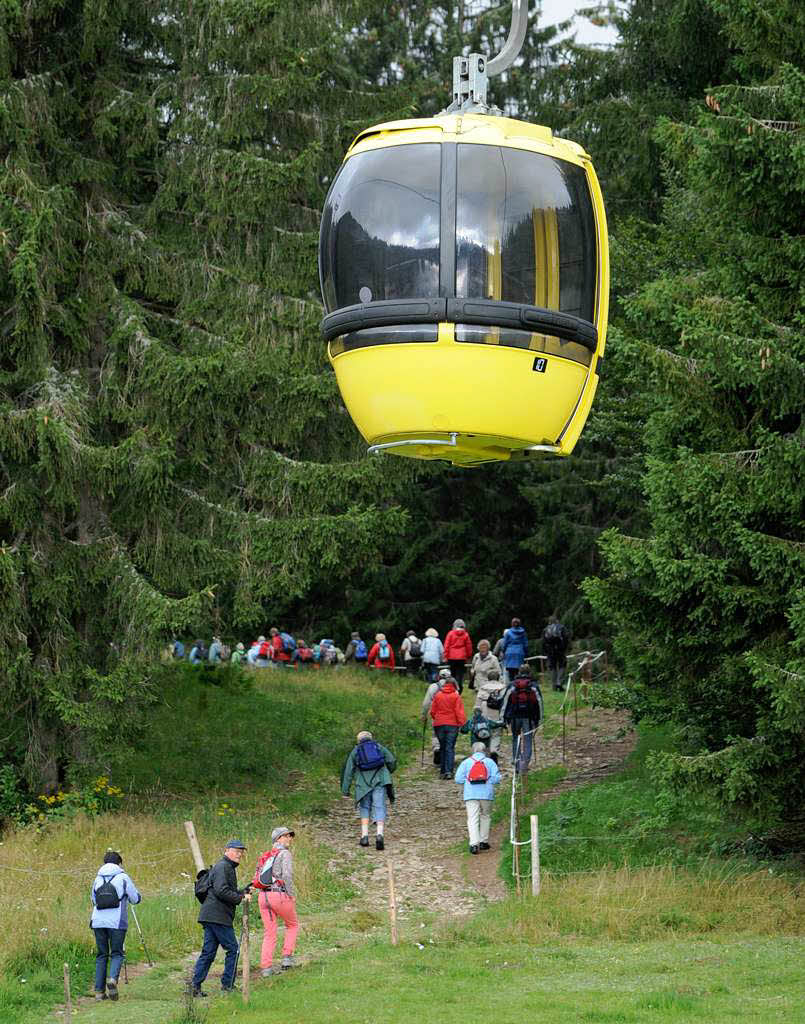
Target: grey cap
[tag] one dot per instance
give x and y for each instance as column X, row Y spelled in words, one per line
column 235, row 844
column 444, row 673
column 281, row 831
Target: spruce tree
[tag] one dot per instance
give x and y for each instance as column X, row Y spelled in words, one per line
column 707, row 603
column 173, row 452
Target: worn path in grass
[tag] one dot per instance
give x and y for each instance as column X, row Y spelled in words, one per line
column 427, row 833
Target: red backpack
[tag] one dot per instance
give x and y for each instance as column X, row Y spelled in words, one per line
column 263, row 876
column 478, row 773
column 265, row 649
column 523, row 700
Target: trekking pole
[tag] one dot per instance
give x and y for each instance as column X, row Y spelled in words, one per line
column 142, row 937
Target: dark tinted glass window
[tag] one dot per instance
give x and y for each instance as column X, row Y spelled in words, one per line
column 380, row 229
column 525, row 230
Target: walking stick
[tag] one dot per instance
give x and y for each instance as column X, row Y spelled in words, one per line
column 142, row 937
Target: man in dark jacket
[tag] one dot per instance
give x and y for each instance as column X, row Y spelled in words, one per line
column 523, row 712
column 555, row 642
column 217, row 915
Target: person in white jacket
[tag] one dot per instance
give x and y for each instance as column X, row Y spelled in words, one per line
column 432, row 654
column 479, row 775
column 111, row 893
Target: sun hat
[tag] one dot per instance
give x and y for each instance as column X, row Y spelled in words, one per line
column 281, row 831
column 431, row 632
column 380, row 638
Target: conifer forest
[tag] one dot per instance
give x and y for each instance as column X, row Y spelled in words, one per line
column 175, row 457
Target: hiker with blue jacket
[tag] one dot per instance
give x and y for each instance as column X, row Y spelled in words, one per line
column 479, row 775
column 370, row 764
column 217, row 916
column 111, row 893
column 514, row 648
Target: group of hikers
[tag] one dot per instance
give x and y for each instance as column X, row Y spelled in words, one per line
column 513, row 703
column 417, row 655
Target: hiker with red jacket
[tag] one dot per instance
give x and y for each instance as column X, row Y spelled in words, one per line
column 277, row 899
column 279, row 654
column 448, row 714
column 381, row 654
column 479, row 775
column 457, row 651
column 522, row 713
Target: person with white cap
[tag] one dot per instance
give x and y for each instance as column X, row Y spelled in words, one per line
column 479, row 775
column 217, row 916
column 370, row 764
column 277, row 899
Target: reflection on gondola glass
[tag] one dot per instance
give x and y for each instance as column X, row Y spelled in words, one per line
column 380, row 232
column 525, row 230
column 524, row 339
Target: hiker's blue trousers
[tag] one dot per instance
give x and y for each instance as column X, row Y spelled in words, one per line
column 373, row 804
column 216, row 935
column 110, row 951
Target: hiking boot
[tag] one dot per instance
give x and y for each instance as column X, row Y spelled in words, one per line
column 101, row 995
column 485, row 846
column 437, row 758
column 230, row 990
column 267, row 972
column 364, row 841
column 288, row 963
column 474, row 849
column 196, row 993
column 111, row 988
column 379, row 844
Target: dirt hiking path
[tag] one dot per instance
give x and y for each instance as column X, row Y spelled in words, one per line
column 426, row 834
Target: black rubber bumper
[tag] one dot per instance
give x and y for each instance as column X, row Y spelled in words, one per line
column 481, row 312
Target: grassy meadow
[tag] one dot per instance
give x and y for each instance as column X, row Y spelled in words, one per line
column 236, row 753
column 654, row 924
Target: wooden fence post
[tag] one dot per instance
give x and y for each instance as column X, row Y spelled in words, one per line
column 68, row 1001
column 245, row 959
column 392, row 902
column 534, row 855
column 194, row 847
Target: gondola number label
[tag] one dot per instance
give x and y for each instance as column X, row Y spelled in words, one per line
column 540, row 363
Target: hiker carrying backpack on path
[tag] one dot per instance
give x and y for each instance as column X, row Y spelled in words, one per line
column 479, row 775
column 458, row 651
column 523, row 713
column 111, row 893
column 370, row 764
column 555, row 642
column 382, row 653
column 514, row 648
column 217, row 916
column 273, row 880
column 448, row 714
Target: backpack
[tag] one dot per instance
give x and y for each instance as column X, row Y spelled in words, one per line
column 178, row 649
column 329, row 655
column 496, row 700
column 480, row 729
column 264, row 875
column 369, row 757
column 523, row 701
column 383, row 652
column 478, row 774
column 202, row 651
column 106, row 897
column 265, row 649
column 414, row 648
column 304, row 654
column 226, row 652
column 288, row 643
column 203, row 884
column 360, row 651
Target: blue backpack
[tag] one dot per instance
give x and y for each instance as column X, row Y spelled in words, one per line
column 360, row 651
column 369, row 757
column 288, row 643
column 383, row 652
